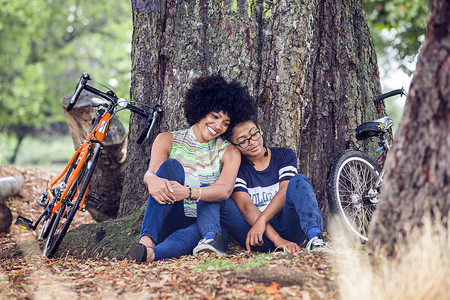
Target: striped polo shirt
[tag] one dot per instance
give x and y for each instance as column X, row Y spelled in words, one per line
column 202, row 162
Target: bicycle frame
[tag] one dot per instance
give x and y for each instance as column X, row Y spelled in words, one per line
column 96, row 135
column 373, row 192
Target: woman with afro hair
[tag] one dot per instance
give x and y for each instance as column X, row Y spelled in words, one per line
column 191, row 165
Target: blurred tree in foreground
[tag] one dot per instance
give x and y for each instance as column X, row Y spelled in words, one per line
column 417, row 174
column 46, row 45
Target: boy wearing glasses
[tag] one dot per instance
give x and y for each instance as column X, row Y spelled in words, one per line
column 271, row 207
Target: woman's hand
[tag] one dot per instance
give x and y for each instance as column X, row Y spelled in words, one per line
column 255, row 234
column 180, row 192
column 287, row 246
column 160, row 189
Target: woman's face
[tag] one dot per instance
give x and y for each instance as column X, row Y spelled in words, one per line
column 211, row 126
column 248, row 138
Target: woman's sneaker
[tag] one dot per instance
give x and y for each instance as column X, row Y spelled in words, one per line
column 317, row 243
column 211, row 245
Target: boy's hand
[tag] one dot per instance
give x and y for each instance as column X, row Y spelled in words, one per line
column 287, row 246
column 255, row 234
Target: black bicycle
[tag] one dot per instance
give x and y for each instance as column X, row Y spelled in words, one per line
column 355, row 178
column 67, row 194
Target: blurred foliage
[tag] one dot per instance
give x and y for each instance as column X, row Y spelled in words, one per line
column 394, row 109
column 397, row 28
column 46, row 45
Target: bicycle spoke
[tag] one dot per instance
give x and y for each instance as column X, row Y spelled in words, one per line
column 351, row 182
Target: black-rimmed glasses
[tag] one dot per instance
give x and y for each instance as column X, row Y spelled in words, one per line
column 245, row 143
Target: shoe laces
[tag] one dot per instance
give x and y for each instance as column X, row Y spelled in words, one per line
column 315, row 242
column 206, row 241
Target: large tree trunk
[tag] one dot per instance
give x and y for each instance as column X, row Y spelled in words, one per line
column 108, row 176
column 310, row 65
column 417, row 181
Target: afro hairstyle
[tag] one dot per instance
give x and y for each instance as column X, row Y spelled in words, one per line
column 214, row 94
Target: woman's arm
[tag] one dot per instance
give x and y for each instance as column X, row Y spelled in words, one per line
column 222, row 189
column 159, row 188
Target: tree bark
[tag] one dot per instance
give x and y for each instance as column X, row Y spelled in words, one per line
column 9, row 186
column 109, row 173
column 417, row 178
column 310, row 65
column 110, row 238
column 5, row 218
column 20, row 138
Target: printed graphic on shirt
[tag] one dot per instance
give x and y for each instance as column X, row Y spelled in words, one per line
column 261, row 196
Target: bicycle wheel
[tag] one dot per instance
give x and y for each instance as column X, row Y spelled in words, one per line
column 47, row 223
column 49, row 218
column 58, row 231
column 351, row 176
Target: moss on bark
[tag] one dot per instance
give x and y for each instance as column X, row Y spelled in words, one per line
column 108, row 239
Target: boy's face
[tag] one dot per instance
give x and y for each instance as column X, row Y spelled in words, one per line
column 247, row 137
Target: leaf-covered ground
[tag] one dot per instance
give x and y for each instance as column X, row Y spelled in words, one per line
column 239, row 275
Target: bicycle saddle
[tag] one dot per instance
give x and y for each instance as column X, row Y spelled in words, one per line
column 373, row 128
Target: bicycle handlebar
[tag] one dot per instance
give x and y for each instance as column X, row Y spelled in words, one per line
column 400, row 92
column 80, row 86
column 151, row 118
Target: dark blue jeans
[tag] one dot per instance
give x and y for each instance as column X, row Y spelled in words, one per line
column 174, row 233
column 299, row 214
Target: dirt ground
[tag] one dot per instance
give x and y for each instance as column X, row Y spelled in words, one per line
column 239, row 275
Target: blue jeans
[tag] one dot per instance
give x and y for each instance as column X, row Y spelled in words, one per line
column 174, row 233
column 299, row 214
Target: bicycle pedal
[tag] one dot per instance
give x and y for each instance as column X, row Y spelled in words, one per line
column 93, row 200
column 24, row 223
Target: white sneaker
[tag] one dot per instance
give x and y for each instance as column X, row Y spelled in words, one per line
column 317, row 244
column 211, row 245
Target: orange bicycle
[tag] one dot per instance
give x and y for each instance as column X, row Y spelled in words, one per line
column 67, row 194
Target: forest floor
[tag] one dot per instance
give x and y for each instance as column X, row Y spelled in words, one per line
column 26, row 275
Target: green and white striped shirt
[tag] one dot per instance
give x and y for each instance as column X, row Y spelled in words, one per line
column 202, row 162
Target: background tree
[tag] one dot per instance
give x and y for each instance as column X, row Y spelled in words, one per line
column 310, row 65
column 417, row 178
column 397, row 28
column 45, row 47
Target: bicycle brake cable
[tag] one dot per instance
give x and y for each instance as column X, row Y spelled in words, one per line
column 129, row 101
column 142, row 103
column 106, row 87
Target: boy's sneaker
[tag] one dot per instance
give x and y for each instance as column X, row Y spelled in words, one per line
column 317, row 243
column 211, row 245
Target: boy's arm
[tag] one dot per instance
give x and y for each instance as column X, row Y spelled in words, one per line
column 252, row 214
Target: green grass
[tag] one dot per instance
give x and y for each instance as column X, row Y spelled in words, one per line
column 222, row 263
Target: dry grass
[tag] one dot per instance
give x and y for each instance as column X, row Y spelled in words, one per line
column 420, row 270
